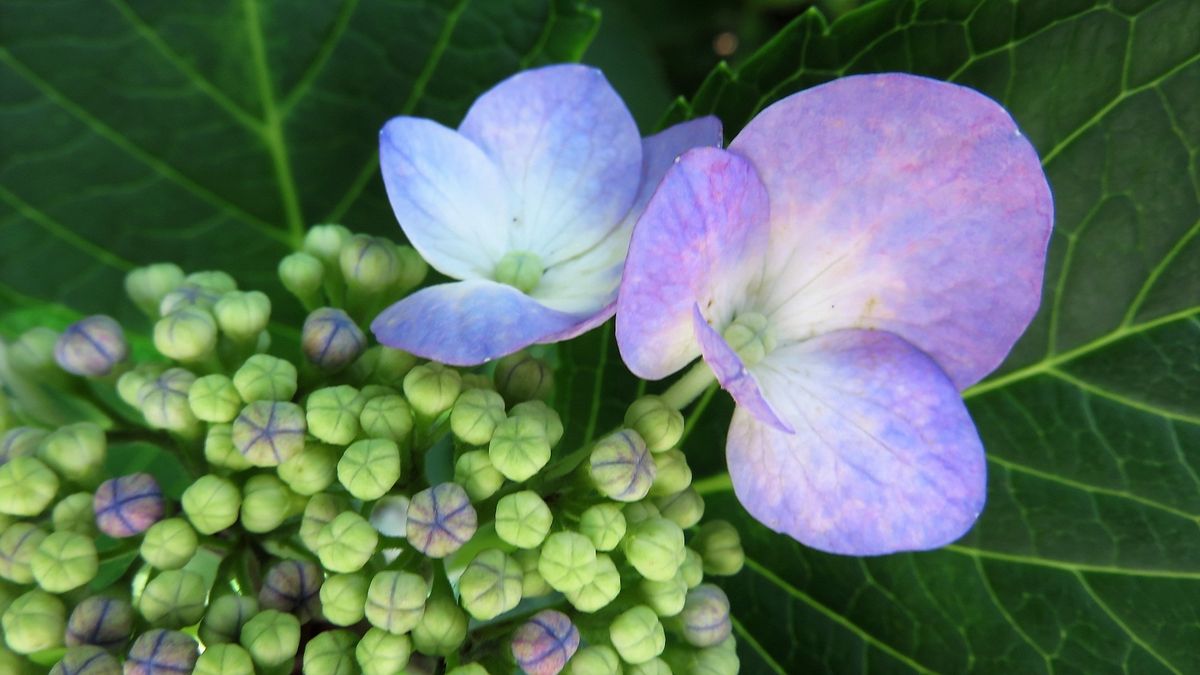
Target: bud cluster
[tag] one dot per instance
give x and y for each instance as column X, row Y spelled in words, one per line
column 356, row 511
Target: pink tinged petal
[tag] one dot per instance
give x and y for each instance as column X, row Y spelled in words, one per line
column 591, row 279
column 700, row 241
column 450, row 199
column 733, row 374
column 885, row 457
column 902, row 204
column 570, row 151
column 472, row 322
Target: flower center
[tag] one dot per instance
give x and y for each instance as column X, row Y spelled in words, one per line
column 520, row 269
column 750, row 335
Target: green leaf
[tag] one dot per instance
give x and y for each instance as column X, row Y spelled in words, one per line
column 210, row 133
column 1087, row 556
column 141, row 456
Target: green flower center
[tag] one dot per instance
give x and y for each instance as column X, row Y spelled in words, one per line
column 520, row 269
column 750, row 335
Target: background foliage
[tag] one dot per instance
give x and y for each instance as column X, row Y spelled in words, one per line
column 210, row 133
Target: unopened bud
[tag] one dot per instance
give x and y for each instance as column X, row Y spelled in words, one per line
column 333, row 413
column 293, row 586
column 76, row 451
column 638, row 511
column 164, row 401
column 620, row 466
column 720, row 545
column 18, row 544
column 33, row 622
column 442, row 628
column 347, row 543
column 601, row 590
column 320, row 510
column 220, row 451
column 604, row 525
column 521, row 377
column 666, row 598
column 128, row 505
column 73, row 513
column 20, row 442
column 396, row 601
column 685, row 507
column 331, row 340
column 129, row 385
column 188, row 296
column 268, row 433
column 101, row 621
column 431, row 389
column 671, row 473
column 213, row 398
column 660, row 425
column 331, row 652
column 242, row 315
column 272, row 638
column 224, row 659
column 389, row 516
column 567, row 561
column 413, row 269
column 474, row 471
column 162, row 651
column 468, row 669
column 325, row 242
column 312, row 469
column 28, row 486
column 369, row 264
column 490, row 585
column 302, row 275
column 266, row 503
column 387, row 417
column 595, row 660
column 655, row 548
column 32, row 354
column 169, row 544
column 533, row 585
column 188, row 334
column 382, row 653
column 368, row 469
column 211, row 504
column 86, row 660
column 440, row 520
column 175, row 598
column 475, row 415
column 383, row 365
column 343, row 597
column 91, row 347
column 216, row 281
column 544, row 644
column 638, row 635
column 147, row 286
column 692, row 569
column 64, row 561
column 705, row 620
column 654, row 666
column 523, row 519
column 265, row 378
column 225, row 618
column 519, row 448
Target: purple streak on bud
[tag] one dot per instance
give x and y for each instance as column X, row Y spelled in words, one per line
column 331, row 340
column 293, row 586
column 162, row 652
column 440, row 520
column 268, row 433
column 128, row 505
column 544, row 644
column 101, row 621
column 91, row 347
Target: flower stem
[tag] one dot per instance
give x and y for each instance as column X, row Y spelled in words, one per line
column 689, row 387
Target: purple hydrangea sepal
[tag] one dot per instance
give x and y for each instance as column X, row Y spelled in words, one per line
column 546, row 169
column 882, row 240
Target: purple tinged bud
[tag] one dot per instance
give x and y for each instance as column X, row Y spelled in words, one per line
column 185, row 296
column 91, row 347
column 293, row 586
column 101, row 621
column 331, row 340
column 544, row 644
column 164, row 400
column 268, row 433
column 440, row 520
column 18, row 544
column 87, row 660
column 20, row 442
column 705, row 618
column 621, row 467
column 128, row 505
column 162, row 652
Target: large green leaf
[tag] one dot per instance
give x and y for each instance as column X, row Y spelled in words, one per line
column 1087, row 557
column 210, row 133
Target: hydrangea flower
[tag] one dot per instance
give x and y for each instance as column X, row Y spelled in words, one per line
column 530, row 204
column 863, row 251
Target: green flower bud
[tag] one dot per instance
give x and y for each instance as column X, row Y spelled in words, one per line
column 265, row 378
column 331, row 653
column 320, row 510
column 76, row 451
column 87, row 660
column 477, row 381
column 368, row 469
column 164, row 401
column 371, row 391
column 129, row 385
column 128, row 505
column 302, row 275
column 519, row 448
column 604, row 525
column 440, row 520
column 347, row 543
column 720, row 545
column 655, row 548
column 266, row 503
column 567, row 561
column 396, row 601
column 601, row 590
column 369, row 263
column 169, row 544
column 620, row 466
column 64, row 561
column 442, row 628
column 243, row 315
column 666, row 598
column 383, row 365
column 331, row 340
column 147, row 286
column 431, row 389
column 33, row 622
column 685, row 508
column 637, row 635
column 544, row 644
column 187, row 334
column 475, row 416
column 413, row 269
column 219, row 449
column 333, row 413
column 271, row 637
column 224, row 659
column 639, row 511
column 382, row 653
column 521, row 377
column 671, row 473
column 32, row 354
column 158, row 651
column 343, row 598
column 595, row 660
column 17, row 547
column 268, row 433
column 101, row 621
column 21, row 442
column 73, row 513
column 174, row 598
column 187, row 296
column 325, row 242
column 533, row 585
column 659, row 425
column 293, row 586
column 654, row 666
column 312, row 469
column 490, row 585
column 91, row 347
column 387, row 417
column 523, row 519
column 705, row 619
column 692, row 569
column 211, row 504
column 468, row 669
column 28, row 486
column 225, row 618
column 719, row 660
column 389, row 516
column 214, row 398
column 474, row 471
column 214, row 281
